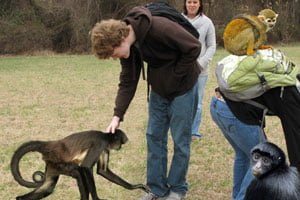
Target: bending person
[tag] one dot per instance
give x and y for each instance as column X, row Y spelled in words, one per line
column 283, row 102
column 242, row 138
column 172, row 77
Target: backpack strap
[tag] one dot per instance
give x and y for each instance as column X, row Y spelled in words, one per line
column 265, row 112
column 137, row 46
column 263, row 81
column 163, row 9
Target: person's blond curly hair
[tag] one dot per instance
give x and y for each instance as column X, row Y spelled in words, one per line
column 106, row 35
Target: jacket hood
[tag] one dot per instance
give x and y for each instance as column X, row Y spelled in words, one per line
column 140, row 19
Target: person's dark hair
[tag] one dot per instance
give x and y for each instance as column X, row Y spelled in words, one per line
column 200, row 10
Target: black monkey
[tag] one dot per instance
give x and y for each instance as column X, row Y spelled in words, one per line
column 75, row 156
column 274, row 179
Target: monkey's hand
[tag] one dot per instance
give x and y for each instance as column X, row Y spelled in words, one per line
column 250, row 52
column 142, row 187
column 265, row 47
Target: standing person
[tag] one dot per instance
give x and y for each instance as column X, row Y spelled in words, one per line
column 242, row 138
column 193, row 11
column 171, row 54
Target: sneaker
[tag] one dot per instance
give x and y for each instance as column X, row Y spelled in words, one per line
column 151, row 196
column 175, row 196
column 196, row 136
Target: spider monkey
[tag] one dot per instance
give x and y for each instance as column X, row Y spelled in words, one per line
column 75, row 156
column 274, row 179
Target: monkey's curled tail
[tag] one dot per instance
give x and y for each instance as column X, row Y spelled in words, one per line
column 38, row 176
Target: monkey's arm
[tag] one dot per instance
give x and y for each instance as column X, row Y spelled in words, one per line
column 103, row 170
column 109, row 175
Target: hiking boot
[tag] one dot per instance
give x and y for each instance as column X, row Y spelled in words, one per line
column 151, row 196
column 174, row 196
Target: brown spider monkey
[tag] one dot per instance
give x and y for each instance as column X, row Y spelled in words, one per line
column 75, row 156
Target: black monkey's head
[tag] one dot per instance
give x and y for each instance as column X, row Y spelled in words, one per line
column 266, row 157
column 117, row 139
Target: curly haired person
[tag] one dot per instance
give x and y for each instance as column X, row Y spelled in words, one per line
column 171, row 54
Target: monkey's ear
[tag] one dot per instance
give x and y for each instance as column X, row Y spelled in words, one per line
column 261, row 17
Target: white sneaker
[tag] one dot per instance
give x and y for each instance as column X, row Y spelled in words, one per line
column 174, row 196
column 151, row 196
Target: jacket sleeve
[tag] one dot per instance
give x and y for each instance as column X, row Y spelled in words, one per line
column 129, row 78
column 210, row 43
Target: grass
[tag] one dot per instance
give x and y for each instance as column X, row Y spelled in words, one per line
column 49, row 97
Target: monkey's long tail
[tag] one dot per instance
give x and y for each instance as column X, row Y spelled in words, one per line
column 32, row 146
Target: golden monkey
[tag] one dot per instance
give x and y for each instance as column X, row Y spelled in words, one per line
column 246, row 33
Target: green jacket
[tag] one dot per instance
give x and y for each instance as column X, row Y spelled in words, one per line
column 247, row 77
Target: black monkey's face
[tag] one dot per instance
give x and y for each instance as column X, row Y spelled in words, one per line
column 265, row 158
column 261, row 164
column 119, row 138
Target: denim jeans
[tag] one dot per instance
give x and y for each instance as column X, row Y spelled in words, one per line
column 176, row 115
column 196, row 123
column 242, row 138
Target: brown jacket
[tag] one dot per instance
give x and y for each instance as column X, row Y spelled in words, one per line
column 170, row 52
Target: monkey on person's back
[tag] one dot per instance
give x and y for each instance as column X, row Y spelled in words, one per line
column 75, row 156
column 246, row 33
column 274, row 179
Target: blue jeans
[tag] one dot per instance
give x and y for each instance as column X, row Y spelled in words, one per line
column 242, row 138
column 176, row 115
column 196, row 123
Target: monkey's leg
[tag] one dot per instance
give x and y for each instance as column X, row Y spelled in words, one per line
column 109, row 175
column 82, row 184
column 45, row 189
column 250, row 46
column 89, row 179
column 73, row 170
column 86, row 167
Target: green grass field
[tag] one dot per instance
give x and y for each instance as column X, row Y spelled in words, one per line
column 49, row 97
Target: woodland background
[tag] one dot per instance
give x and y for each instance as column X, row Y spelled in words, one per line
column 62, row 26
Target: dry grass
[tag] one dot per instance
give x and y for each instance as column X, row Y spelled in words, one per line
column 49, row 97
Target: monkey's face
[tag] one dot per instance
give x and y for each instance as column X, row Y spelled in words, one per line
column 261, row 164
column 270, row 22
column 119, row 138
column 265, row 158
column 268, row 17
